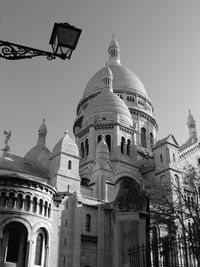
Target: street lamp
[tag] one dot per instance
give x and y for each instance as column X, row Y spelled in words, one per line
column 64, row 39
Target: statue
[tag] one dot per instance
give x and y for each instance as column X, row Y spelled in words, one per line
column 6, row 148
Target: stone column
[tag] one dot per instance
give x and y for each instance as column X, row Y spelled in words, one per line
column 29, row 256
column 46, row 260
column 100, row 245
column 77, row 236
column 1, row 251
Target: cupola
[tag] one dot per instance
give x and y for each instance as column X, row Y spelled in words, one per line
column 114, row 52
column 40, row 153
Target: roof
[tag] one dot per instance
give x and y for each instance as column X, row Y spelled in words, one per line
column 19, row 164
column 123, row 80
column 170, row 139
column 66, row 145
column 188, row 143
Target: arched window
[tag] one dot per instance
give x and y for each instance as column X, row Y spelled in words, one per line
column 128, row 147
column 108, row 141
column 122, row 144
column 3, row 199
column 99, row 138
column 13, row 245
column 41, row 206
column 27, row 203
column 10, row 200
column 177, row 181
column 88, row 223
column 82, row 150
column 143, row 137
column 39, row 249
column 163, row 179
column 69, row 164
column 151, row 140
column 34, row 204
column 168, row 154
column 19, row 201
column 86, row 147
column 49, row 210
column 45, row 208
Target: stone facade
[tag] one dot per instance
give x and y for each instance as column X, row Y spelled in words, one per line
column 84, row 204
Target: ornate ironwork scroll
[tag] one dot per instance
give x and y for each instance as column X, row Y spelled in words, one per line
column 12, row 51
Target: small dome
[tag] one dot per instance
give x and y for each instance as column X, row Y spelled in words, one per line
column 40, row 152
column 109, row 102
column 66, row 145
column 107, row 73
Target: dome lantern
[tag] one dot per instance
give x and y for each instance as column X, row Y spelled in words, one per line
column 107, row 78
column 42, row 132
column 114, row 52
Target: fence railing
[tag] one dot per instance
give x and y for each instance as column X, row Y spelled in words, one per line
column 168, row 252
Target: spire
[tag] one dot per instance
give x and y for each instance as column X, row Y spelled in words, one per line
column 102, row 151
column 42, row 132
column 114, row 52
column 107, row 78
column 191, row 121
column 192, row 126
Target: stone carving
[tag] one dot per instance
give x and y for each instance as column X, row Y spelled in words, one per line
column 6, row 148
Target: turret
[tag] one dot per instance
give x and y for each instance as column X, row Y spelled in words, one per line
column 192, row 127
column 40, row 153
column 42, row 132
column 114, row 52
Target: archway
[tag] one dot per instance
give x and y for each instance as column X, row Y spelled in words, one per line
column 130, row 195
column 14, row 245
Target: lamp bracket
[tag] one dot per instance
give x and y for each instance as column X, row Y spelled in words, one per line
column 12, row 51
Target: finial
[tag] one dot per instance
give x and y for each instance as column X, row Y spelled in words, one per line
column 191, row 120
column 7, row 135
column 43, row 121
column 66, row 132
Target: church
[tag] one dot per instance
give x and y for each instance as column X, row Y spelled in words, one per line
column 84, row 203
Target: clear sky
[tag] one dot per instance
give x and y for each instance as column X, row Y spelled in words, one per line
column 159, row 41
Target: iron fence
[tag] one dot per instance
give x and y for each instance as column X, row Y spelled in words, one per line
column 168, row 252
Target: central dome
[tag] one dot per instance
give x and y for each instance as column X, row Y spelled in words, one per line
column 124, row 80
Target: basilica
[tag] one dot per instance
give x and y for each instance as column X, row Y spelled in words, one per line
column 84, row 203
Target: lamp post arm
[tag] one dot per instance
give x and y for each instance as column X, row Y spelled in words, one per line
column 12, row 51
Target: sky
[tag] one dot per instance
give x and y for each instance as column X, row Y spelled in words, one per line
column 159, row 41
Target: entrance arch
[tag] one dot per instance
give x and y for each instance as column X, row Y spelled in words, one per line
column 14, row 245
